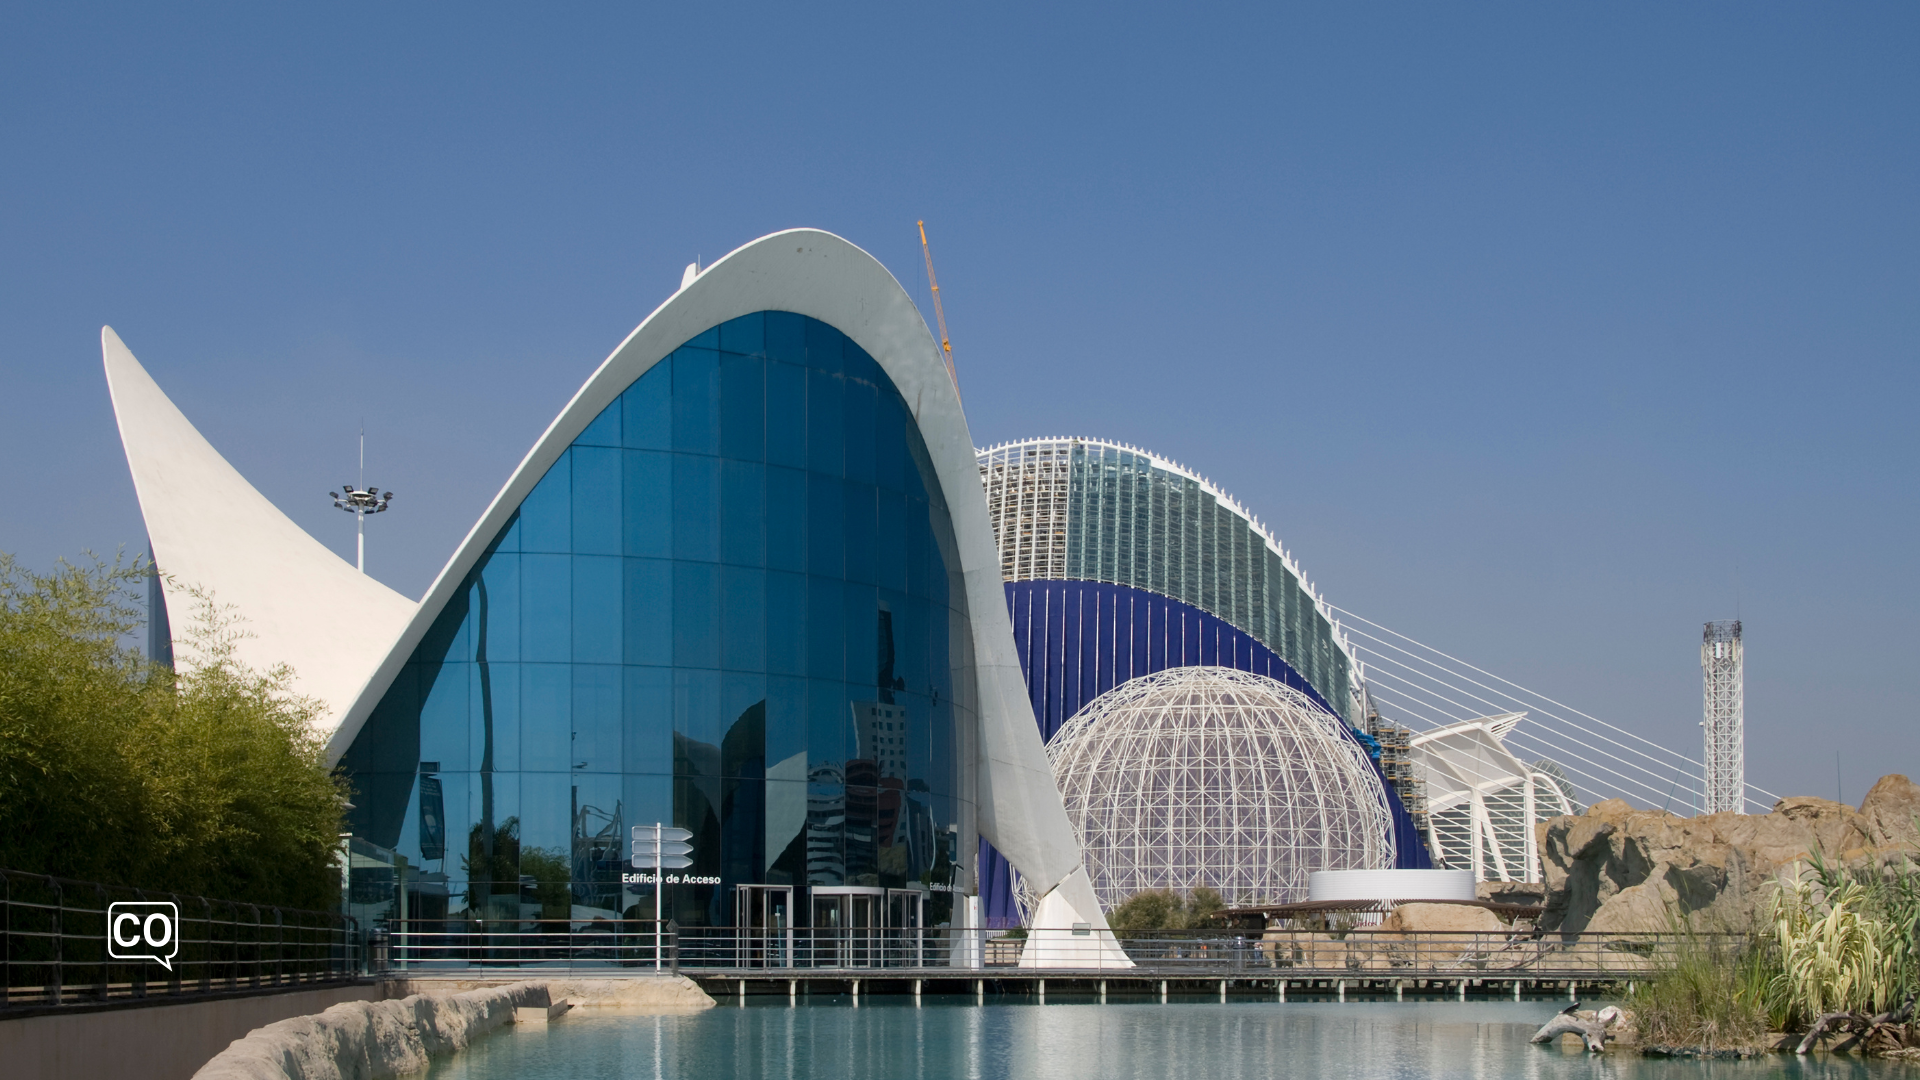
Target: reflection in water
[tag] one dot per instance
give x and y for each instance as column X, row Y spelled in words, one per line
column 889, row 1037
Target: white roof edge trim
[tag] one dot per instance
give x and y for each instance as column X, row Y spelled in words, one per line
column 1223, row 498
column 817, row 274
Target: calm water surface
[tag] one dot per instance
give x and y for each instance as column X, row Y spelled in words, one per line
column 953, row 1039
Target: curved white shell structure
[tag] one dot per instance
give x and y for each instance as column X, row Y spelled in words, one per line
column 817, row 274
column 302, row 605
column 1210, row 776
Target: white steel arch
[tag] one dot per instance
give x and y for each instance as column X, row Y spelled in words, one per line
column 1483, row 802
column 1217, row 777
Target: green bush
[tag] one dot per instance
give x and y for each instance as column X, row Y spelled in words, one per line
column 1164, row 909
column 1714, row 994
column 210, row 781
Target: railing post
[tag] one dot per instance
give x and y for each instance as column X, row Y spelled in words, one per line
column 173, row 974
column 106, row 969
column 59, row 941
column 206, row 961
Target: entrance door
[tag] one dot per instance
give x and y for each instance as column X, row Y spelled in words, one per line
column 906, row 913
column 763, row 919
column 847, row 923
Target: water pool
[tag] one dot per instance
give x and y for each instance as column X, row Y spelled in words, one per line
column 957, row 1040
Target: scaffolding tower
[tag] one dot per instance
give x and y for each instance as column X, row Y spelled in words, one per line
column 1396, row 764
column 1722, row 665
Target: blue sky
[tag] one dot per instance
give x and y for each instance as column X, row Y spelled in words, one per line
column 1538, row 332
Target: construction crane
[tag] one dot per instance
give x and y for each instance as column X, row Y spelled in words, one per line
column 939, row 316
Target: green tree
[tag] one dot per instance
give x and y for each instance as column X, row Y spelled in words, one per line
column 1164, row 909
column 210, row 780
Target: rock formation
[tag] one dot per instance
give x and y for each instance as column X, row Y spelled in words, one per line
column 1617, row 869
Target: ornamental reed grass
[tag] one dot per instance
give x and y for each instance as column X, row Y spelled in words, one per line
column 1713, row 995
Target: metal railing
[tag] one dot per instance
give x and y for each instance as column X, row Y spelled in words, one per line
column 54, row 951
column 427, row 945
column 421, row 946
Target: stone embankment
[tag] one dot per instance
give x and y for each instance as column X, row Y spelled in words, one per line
column 1615, row 869
column 371, row 1040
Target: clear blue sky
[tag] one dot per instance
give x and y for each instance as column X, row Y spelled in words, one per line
column 1530, row 328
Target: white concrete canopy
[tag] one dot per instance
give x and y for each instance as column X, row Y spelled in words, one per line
column 302, row 605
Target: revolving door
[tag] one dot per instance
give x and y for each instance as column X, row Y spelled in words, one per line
column 763, row 919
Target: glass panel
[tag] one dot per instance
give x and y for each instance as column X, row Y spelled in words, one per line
column 696, row 507
column 546, row 716
column 786, row 523
column 605, row 429
column 787, row 415
column 597, row 594
column 647, row 612
column 696, row 401
column 742, row 407
column 596, row 500
column 647, row 504
column 647, row 406
column 744, row 335
column 546, row 616
column 546, row 517
column 743, row 533
column 696, row 610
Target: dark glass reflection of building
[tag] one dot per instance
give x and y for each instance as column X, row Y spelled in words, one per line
column 732, row 605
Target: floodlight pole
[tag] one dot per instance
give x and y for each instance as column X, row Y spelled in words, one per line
column 360, row 500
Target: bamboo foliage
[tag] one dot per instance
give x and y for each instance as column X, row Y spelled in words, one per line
column 1835, row 955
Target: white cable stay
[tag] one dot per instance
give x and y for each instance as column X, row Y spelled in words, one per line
column 1494, row 707
column 1679, row 760
column 1663, row 794
column 1558, row 752
column 1530, row 706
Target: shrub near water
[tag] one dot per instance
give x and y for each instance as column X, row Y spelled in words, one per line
column 1714, row 995
column 112, row 769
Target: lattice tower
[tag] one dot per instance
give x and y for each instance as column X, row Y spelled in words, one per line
column 1211, row 776
column 1726, row 759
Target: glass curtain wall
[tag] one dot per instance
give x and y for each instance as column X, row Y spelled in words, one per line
column 734, row 605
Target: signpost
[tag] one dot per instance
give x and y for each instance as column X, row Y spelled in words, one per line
column 663, row 847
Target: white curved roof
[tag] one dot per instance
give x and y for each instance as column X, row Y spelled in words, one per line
column 302, row 605
column 817, row 274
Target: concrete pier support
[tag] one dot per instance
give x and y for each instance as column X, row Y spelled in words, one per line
column 1042, row 983
column 1163, row 991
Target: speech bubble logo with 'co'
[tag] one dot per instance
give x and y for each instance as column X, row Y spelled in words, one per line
column 144, row 930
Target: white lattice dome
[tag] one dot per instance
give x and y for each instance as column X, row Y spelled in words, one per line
column 1211, row 776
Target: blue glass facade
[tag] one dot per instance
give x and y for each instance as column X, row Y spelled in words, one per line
column 733, row 605
column 1079, row 639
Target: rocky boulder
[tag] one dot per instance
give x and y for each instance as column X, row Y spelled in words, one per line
column 1618, row 869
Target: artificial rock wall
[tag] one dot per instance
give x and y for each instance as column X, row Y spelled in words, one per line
column 1617, row 869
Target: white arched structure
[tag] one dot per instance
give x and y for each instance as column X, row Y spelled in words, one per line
column 211, row 531
column 817, row 274
column 1483, row 802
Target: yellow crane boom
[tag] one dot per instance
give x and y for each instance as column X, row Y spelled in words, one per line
column 939, row 315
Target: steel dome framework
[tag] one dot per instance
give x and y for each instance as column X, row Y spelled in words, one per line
column 1218, row 777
